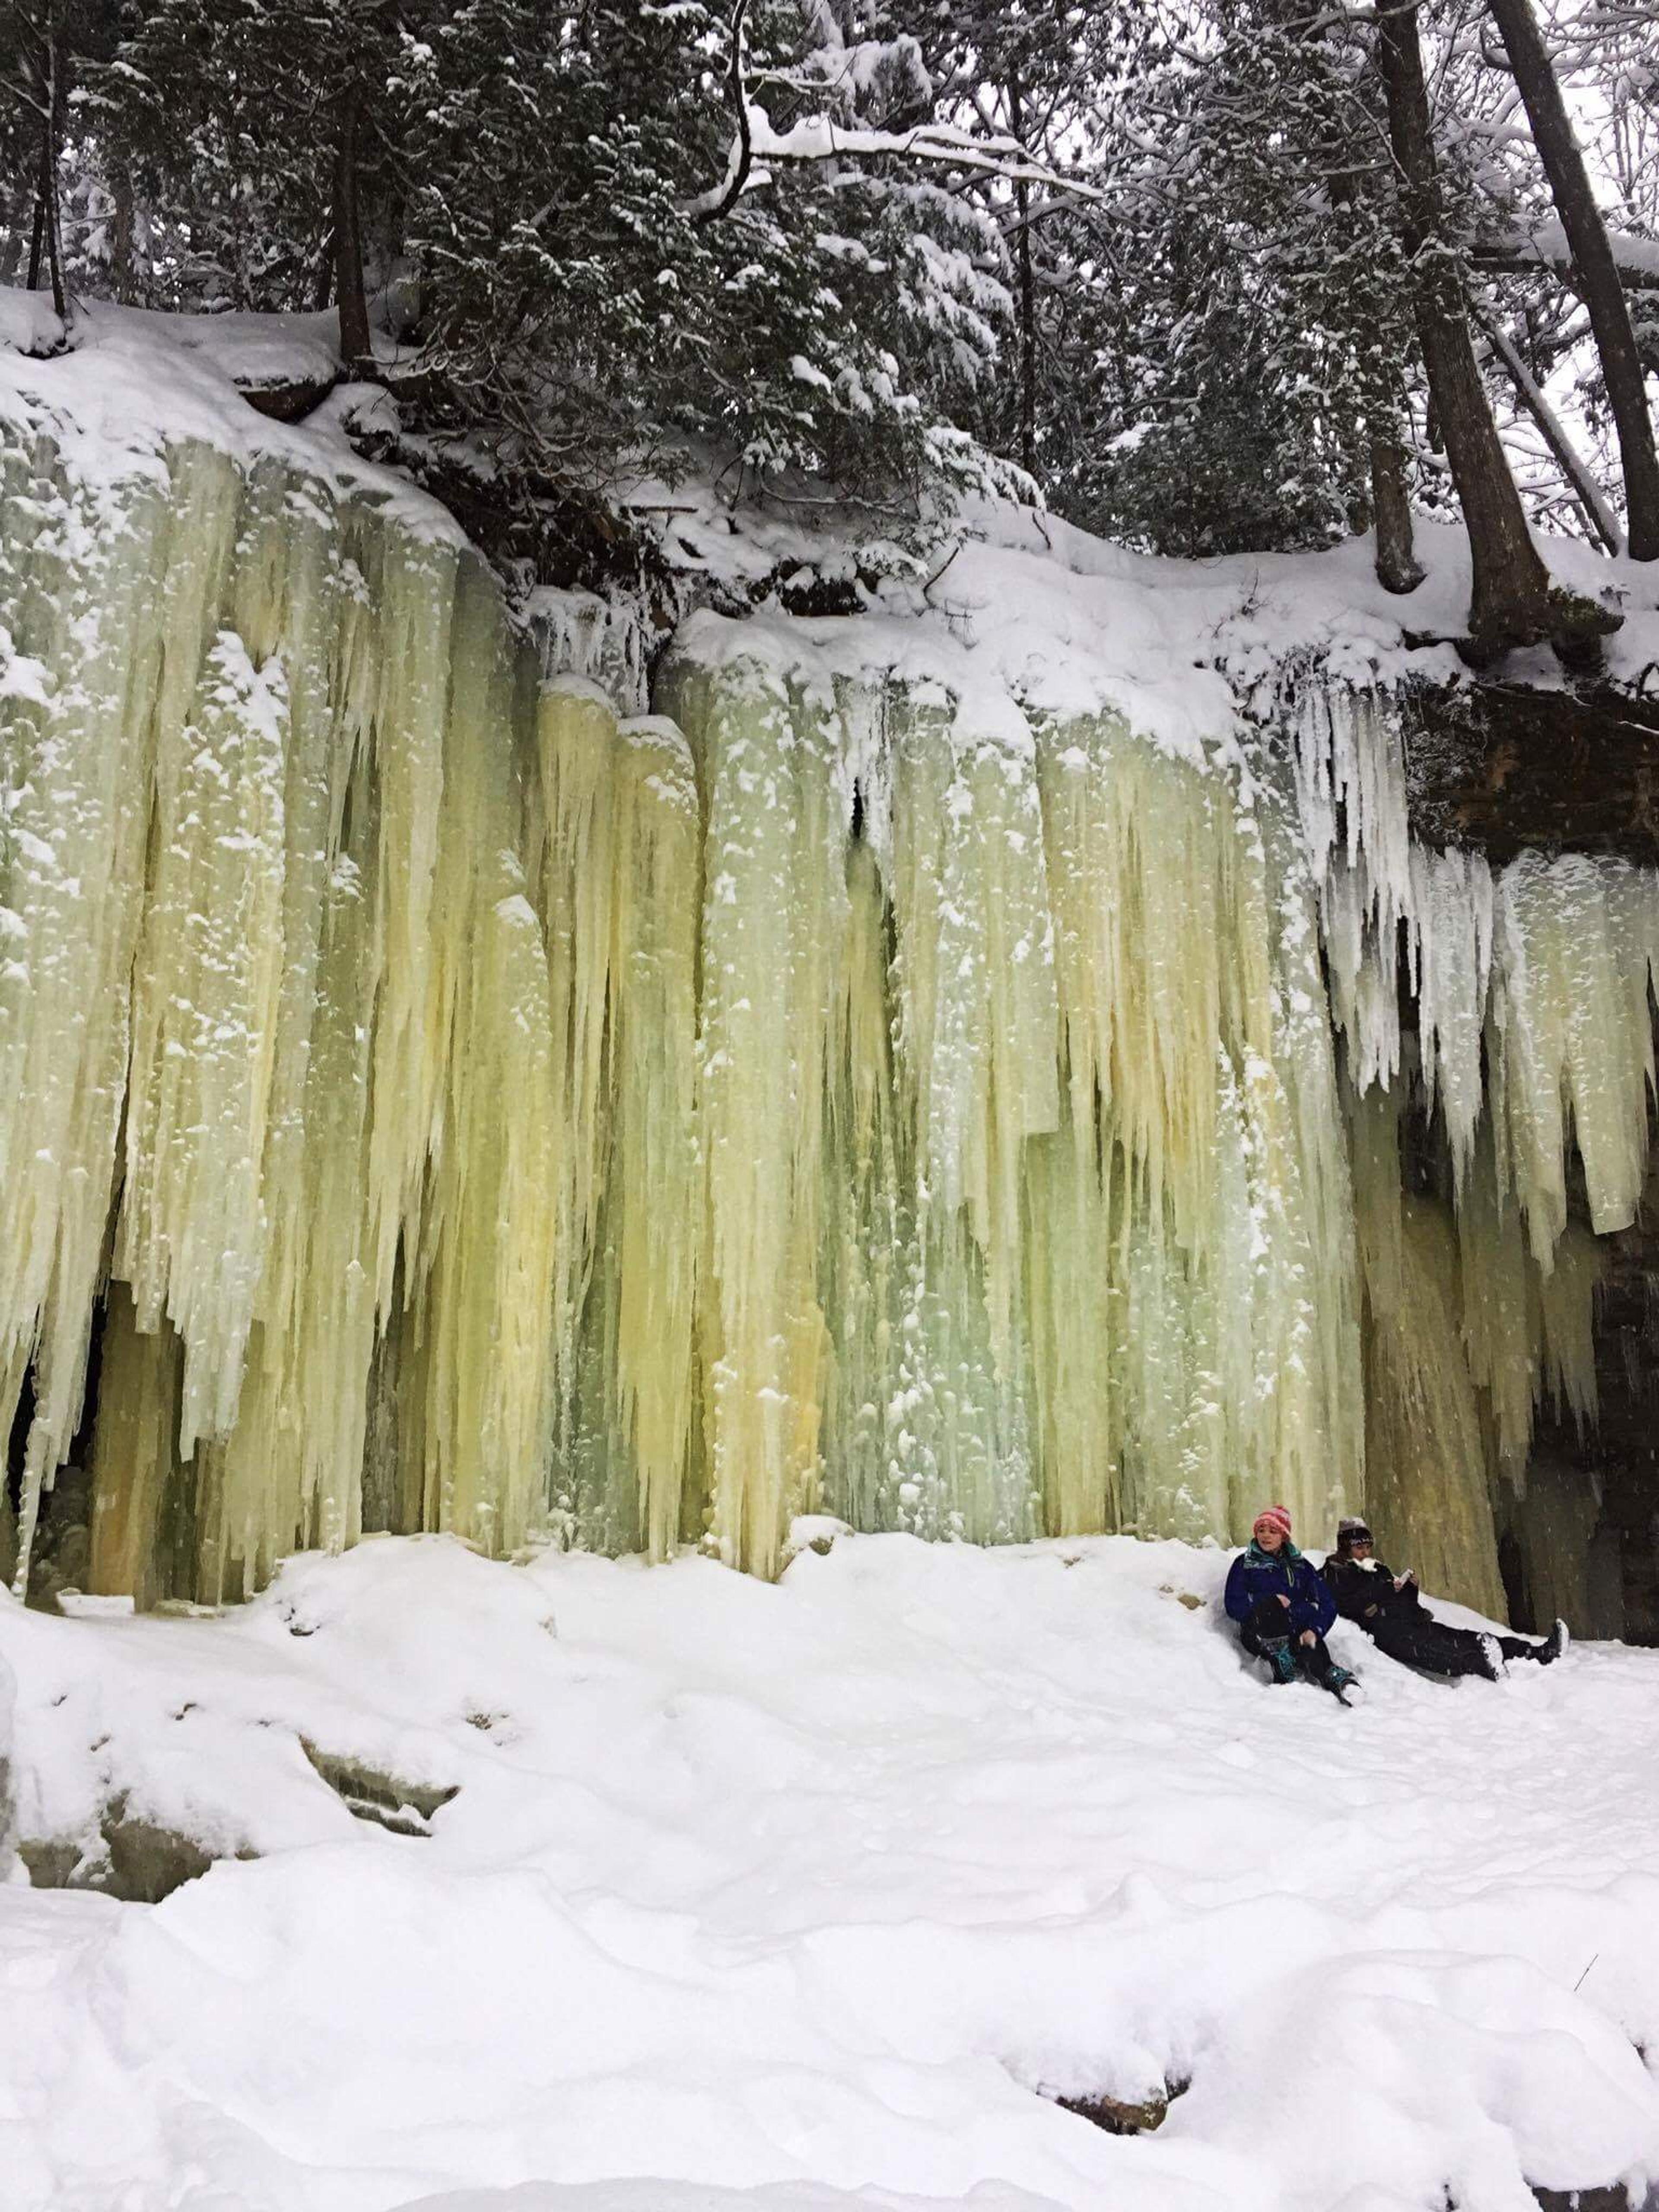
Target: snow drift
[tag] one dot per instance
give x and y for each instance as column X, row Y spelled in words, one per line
column 823, row 1892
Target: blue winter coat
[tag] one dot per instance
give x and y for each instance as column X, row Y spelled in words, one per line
column 1255, row 1574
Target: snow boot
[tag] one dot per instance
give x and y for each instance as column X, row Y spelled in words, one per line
column 1555, row 1643
column 1492, row 1659
column 1280, row 1658
column 1339, row 1680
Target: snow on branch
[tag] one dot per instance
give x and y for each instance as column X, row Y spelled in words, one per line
column 756, row 145
column 821, row 138
column 1545, row 246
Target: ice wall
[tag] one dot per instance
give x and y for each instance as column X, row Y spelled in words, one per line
column 432, row 1099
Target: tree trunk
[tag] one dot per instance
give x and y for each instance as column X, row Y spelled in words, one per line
column 37, row 242
column 1510, row 601
column 1027, row 297
column 49, row 202
column 1583, row 486
column 356, row 348
column 1599, row 281
column 120, row 271
column 1397, row 567
column 325, row 273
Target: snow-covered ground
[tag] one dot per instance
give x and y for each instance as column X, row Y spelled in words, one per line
column 813, row 1892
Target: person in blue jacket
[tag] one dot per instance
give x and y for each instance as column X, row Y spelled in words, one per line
column 1283, row 1607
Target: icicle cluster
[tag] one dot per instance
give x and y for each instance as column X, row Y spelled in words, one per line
column 313, row 1069
column 1054, row 1229
column 577, row 633
column 1543, row 975
column 1534, row 1051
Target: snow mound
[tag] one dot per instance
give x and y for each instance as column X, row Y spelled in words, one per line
column 817, row 1896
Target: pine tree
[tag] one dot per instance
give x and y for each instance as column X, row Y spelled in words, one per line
column 270, row 136
column 47, row 47
column 584, row 284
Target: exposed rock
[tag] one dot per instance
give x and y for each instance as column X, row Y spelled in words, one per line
column 1500, row 767
column 370, row 1794
column 53, row 1862
column 1615, row 2198
column 1119, row 2119
column 148, row 1862
column 135, row 1860
column 288, row 400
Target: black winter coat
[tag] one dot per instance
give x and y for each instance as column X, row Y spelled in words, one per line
column 1367, row 1594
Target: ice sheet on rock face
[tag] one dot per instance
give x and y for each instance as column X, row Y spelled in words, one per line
column 1501, row 1316
column 1427, row 1487
column 317, row 1080
column 998, row 1178
column 1460, row 1303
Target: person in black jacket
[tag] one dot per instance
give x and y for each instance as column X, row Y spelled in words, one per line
column 1282, row 1607
column 1390, row 1608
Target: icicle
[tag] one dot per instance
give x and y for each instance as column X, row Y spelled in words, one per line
column 1208, row 1181
column 654, row 1160
column 1349, row 768
column 1452, row 904
column 491, row 1213
column 774, row 929
column 1575, row 946
column 572, row 839
column 207, row 978
column 613, row 831
column 80, row 594
column 867, row 1232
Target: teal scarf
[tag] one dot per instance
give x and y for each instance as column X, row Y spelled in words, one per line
column 1286, row 1555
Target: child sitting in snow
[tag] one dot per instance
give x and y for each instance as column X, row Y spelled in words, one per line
column 1390, row 1608
column 1282, row 1607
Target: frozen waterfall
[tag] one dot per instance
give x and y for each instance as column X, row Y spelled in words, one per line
column 431, row 1097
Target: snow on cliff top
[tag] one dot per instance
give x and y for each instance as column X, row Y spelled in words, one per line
column 1066, row 622
column 135, row 382
column 1071, row 623
column 817, row 1894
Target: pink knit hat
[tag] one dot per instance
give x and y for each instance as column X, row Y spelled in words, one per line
column 1272, row 1517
